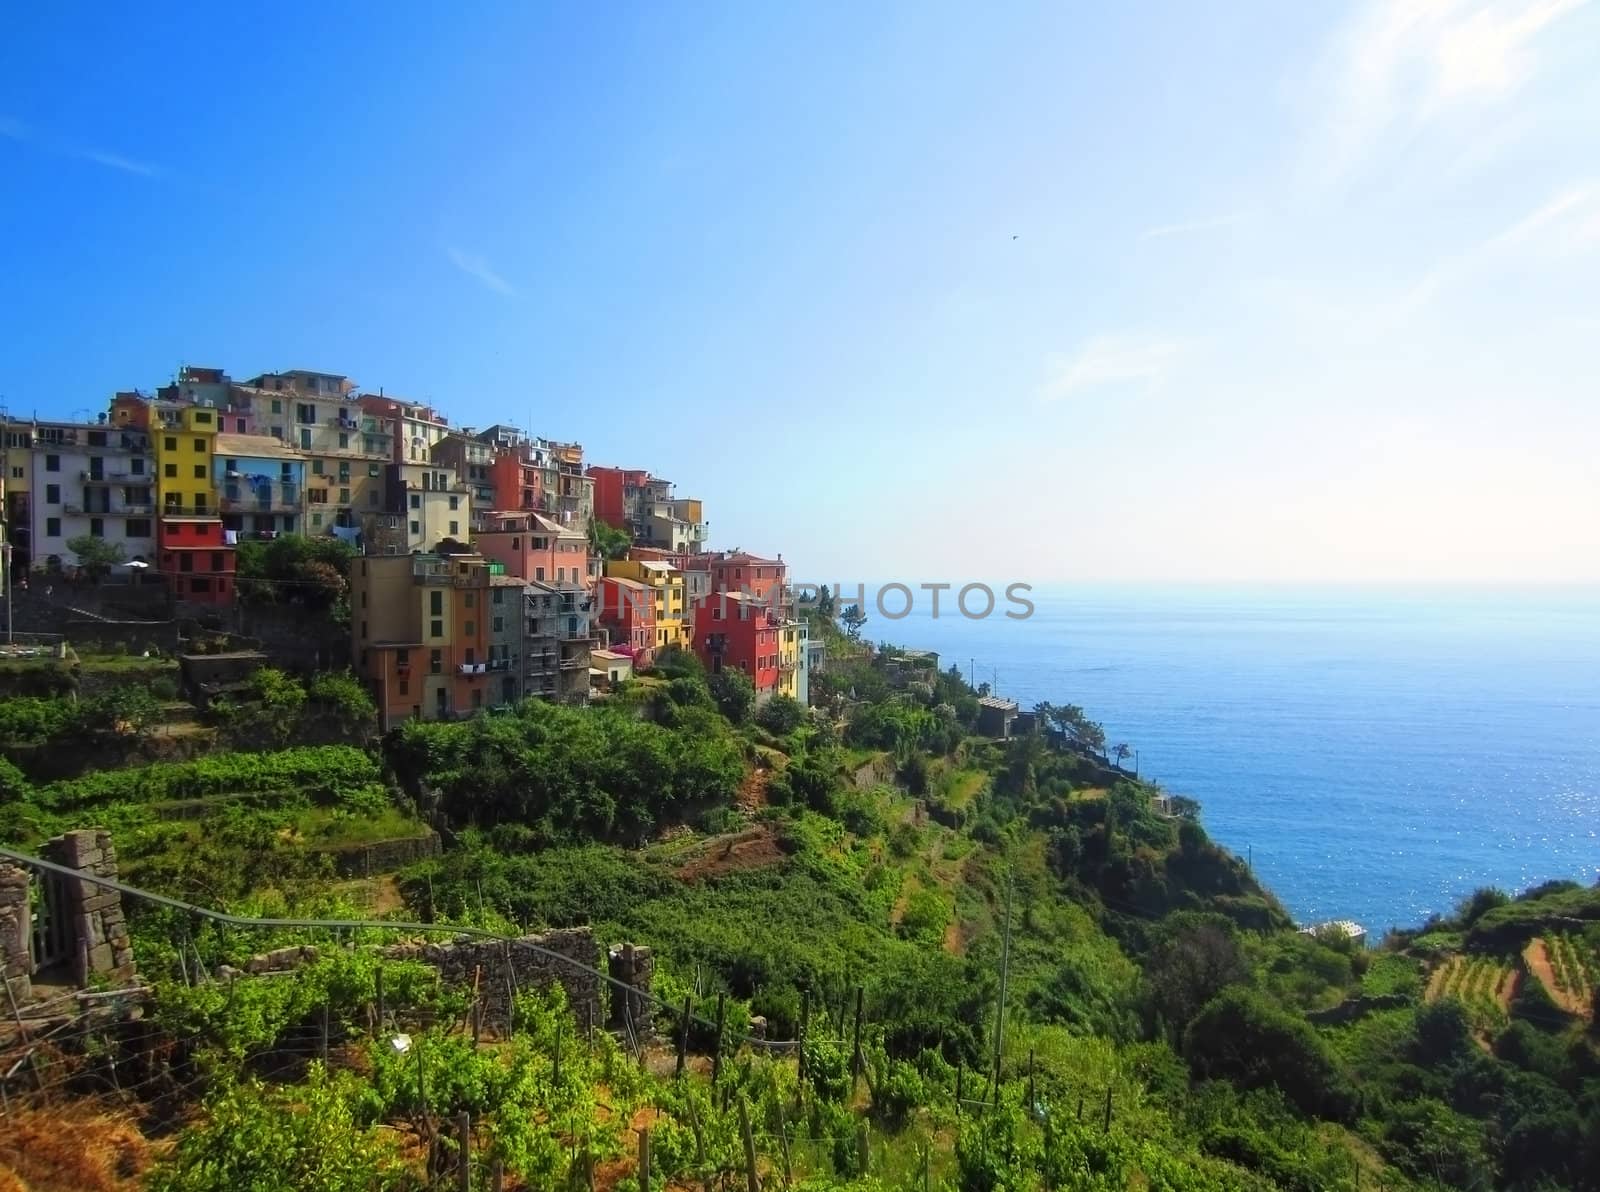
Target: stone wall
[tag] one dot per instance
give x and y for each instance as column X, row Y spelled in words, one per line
column 384, row 856
column 465, row 962
column 100, row 943
column 16, row 955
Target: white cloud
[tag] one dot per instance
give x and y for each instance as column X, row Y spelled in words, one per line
column 116, row 161
column 475, row 266
column 1194, row 225
column 1112, row 360
column 1405, row 62
column 16, row 130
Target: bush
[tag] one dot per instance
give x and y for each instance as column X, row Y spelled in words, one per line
column 1240, row 1037
column 734, row 694
column 781, row 715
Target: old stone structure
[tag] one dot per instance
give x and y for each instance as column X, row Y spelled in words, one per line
column 536, row 962
column 100, row 944
column 635, row 968
column 16, row 959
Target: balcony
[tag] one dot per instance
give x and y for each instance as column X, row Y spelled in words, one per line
column 572, row 664
column 473, row 668
column 190, row 511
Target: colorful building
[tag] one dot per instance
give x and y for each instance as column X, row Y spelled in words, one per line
column 794, row 661
column 674, row 625
column 260, row 483
column 415, row 429
column 428, row 503
column 346, row 449
column 471, row 461
column 735, row 632
column 632, row 500
column 533, row 547
column 16, row 477
column 90, row 479
column 627, row 611
column 421, row 628
column 193, row 552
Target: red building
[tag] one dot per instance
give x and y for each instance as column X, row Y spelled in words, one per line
column 740, row 571
column 612, row 493
column 627, row 609
column 734, row 632
column 518, row 483
column 195, row 560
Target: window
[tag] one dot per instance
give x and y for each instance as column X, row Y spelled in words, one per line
column 52, row 463
column 277, row 406
column 52, row 527
column 539, row 574
column 344, row 439
column 372, row 497
column 435, row 662
column 435, row 628
column 455, row 528
column 305, row 412
column 372, row 470
column 16, row 473
column 316, row 467
column 200, row 444
column 455, row 503
column 316, row 520
column 277, row 433
column 97, row 527
column 416, row 501
column 238, row 425
column 436, row 603
column 317, row 496
column 200, row 584
column 471, row 599
column 186, row 562
column 344, row 496
column 499, row 624
column 138, row 527
column 170, row 471
column 202, row 418
column 52, row 494
column 305, row 440
column 216, row 560
column 199, row 471
column 405, row 686
column 136, row 467
column 472, row 631
column 169, row 443
column 477, row 697
column 498, row 594
column 416, row 527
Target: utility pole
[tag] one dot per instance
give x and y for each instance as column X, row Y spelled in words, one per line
column 1000, row 1010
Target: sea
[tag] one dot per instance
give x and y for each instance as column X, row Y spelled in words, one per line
column 1375, row 753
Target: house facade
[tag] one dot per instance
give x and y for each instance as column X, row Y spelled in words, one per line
column 674, row 624
column 90, row 479
column 260, row 485
column 558, row 636
column 735, row 632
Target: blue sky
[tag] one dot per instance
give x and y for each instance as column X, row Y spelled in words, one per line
column 1257, row 291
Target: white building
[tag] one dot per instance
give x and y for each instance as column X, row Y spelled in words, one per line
column 94, row 479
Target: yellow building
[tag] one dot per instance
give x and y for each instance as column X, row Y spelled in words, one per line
column 183, row 439
column 674, row 618
column 16, row 487
column 790, row 645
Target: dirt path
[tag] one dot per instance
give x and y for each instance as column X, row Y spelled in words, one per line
column 1537, row 958
column 752, row 848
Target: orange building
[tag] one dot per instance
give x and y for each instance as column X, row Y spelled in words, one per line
column 421, row 634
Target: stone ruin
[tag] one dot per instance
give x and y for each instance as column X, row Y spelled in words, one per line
column 72, row 927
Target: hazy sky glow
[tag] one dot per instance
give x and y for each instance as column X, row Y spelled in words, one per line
column 1257, row 290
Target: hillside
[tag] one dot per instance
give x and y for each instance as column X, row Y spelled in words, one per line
column 794, row 873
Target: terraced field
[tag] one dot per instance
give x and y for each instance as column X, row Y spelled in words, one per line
column 1484, row 984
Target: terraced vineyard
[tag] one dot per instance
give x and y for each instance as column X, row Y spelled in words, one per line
column 1484, row 984
column 1574, row 969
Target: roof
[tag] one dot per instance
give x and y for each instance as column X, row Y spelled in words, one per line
column 995, row 701
column 506, row 581
column 654, row 564
column 610, row 656
column 745, row 557
column 623, row 581
column 254, row 445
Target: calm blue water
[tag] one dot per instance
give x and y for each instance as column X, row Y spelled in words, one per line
column 1379, row 753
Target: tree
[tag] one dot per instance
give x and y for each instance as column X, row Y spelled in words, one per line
column 781, row 714
column 293, row 569
column 1241, row 1037
column 1196, row 958
column 825, row 603
column 853, row 619
column 95, row 555
column 735, row 695
column 1121, row 753
column 607, row 540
